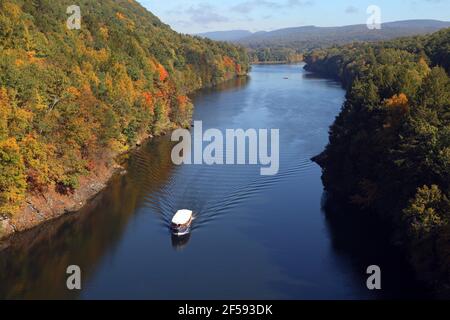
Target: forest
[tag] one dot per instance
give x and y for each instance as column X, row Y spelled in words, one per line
column 274, row 55
column 289, row 44
column 389, row 149
column 70, row 99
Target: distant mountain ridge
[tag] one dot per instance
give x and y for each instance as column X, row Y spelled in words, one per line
column 358, row 32
column 232, row 35
column 337, row 35
column 288, row 44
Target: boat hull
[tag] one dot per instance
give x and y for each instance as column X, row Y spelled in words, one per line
column 181, row 231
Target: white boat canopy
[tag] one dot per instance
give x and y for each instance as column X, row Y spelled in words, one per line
column 182, row 217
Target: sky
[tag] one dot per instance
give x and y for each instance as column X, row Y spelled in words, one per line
column 196, row 16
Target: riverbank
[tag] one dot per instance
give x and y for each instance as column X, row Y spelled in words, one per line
column 387, row 147
column 121, row 239
column 40, row 207
column 275, row 62
column 44, row 206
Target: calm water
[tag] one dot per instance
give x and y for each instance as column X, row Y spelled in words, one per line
column 254, row 237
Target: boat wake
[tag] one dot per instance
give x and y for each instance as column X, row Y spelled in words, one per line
column 211, row 192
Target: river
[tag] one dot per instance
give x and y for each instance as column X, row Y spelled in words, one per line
column 254, row 237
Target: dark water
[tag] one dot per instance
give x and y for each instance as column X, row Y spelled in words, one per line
column 254, row 237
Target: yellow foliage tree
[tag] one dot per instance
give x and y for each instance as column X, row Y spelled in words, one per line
column 398, row 106
column 37, row 158
column 5, row 112
column 12, row 177
column 398, row 100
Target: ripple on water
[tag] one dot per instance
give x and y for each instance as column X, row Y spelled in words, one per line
column 210, row 191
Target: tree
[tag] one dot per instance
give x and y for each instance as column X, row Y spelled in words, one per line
column 5, row 113
column 38, row 159
column 74, row 99
column 435, row 92
column 428, row 211
column 389, row 147
column 12, row 177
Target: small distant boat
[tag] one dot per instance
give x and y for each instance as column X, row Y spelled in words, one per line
column 286, row 78
column 181, row 222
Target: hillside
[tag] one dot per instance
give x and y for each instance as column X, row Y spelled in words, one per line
column 389, row 149
column 72, row 100
column 232, row 35
column 310, row 37
column 288, row 44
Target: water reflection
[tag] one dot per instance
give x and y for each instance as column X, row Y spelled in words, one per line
column 360, row 240
column 315, row 76
column 236, row 84
column 253, row 237
column 33, row 264
column 180, row 242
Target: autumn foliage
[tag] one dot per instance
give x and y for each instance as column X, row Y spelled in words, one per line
column 163, row 74
column 12, row 177
column 389, row 148
column 398, row 101
column 72, row 98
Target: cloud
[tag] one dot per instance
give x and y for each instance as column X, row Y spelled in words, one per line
column 351, row 10
column 205, row 14
column 250, row 5
column 299, row 3
column 202, row 14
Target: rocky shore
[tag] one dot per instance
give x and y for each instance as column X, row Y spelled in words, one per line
column 45, row 206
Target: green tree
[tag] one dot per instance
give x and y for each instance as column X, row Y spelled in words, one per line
column 428, row 211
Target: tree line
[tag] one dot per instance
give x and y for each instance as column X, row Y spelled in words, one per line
column 70, row 99
column 389, row 147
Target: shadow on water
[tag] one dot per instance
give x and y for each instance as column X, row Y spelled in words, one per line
column 235, row 84
column 314, row 76
column 122, row 239
column 33, row 264
column 361, row 240
column 180, row 242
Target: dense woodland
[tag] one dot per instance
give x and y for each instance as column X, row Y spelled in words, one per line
column 275, row 54
column 389, row 148
column 288, row 45
column 71, row 98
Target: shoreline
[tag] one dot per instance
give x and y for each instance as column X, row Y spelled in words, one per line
column 274, row 62
column 43, row 207
column 428, row 274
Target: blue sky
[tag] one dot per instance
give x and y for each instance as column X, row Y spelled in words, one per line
column 194, row 16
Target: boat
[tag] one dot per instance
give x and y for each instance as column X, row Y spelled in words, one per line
column 181, row 222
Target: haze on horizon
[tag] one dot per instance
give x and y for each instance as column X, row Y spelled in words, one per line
column 197, row 16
